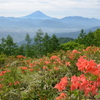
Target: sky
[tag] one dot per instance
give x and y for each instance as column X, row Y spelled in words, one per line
column 52, row 8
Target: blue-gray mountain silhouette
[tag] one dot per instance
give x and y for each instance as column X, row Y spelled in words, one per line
column 38, row 14
column 18, row 27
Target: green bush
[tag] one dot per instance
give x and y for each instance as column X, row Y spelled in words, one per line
column 2, row 59
column 71, row 46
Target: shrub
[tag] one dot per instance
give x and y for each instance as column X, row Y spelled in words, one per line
column 2, row 59
column 71, row 45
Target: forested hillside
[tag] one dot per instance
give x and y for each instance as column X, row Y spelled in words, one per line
column 40, row 45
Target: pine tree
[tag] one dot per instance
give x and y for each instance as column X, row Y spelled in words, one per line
column 81, row 37
column 82, row 34
column 89, row 39
column 21, row 50
column 46, row 43
column 9, row 47
column 97, row 37
column 2, row 45
column 28, row 45
column 54, row 43
column 38, row 39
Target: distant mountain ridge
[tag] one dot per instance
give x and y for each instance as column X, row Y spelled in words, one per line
column 18, row 27
column 75, row 34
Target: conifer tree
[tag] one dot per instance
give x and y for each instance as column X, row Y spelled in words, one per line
column 38, row 39
column 21, row 50
column 89, row 39
column 28, row 45
column 46, row 43
column 54, row 43
column 2, row 45
column 81, row 37
column 9, row 47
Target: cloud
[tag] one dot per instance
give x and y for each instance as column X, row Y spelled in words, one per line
column 53, row 8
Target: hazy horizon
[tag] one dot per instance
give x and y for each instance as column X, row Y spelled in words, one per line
column 56, row 9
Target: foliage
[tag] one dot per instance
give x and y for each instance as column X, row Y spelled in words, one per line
column 28, row 50
column 92, row 38
column 2, row 59
column 43, row 44
column 71, row 45
column 65, row 39
column 54, row 43
column 9, row 46
column 38, row 42
column 57, row 76
column 46, row 44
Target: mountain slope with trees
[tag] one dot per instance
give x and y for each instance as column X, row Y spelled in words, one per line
column 43, row 43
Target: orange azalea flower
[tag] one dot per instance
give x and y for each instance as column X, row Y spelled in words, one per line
column 1, row 79
column 10, row 83
column 67, row 63
column 86, row 66
column 75, row 51
column 55, row 62
column 75, row 82
column 21, row 56
column 54, row 57
column 23, row 71
column 58, row 98
column 3, row 72
column 56, row 68
column 63, row 94
column 94, row 90
column 44, row 67
column 8, row 71
column 61, row 97
column 17, row 82
column 47, row 62
column 31, row 70
column 7, row 65
column 87, row 86
column 40, row 59
column 50, row 69
column 1, row 85
column 24, row 68
column 30, row 65
column 62, row 85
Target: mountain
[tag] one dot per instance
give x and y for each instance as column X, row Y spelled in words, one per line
column 52, row 24
column 78, row 21
column 37, row 15
column 75, row 34
column 68, row 26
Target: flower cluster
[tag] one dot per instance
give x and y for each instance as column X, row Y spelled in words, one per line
column 3, row 72
column 88, row 66
column 21, row 56
column 82, row 83
column 62, row 84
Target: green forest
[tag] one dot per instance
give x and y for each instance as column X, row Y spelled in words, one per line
column 43, row 44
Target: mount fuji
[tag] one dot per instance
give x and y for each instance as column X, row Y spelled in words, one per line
column 37, row 15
